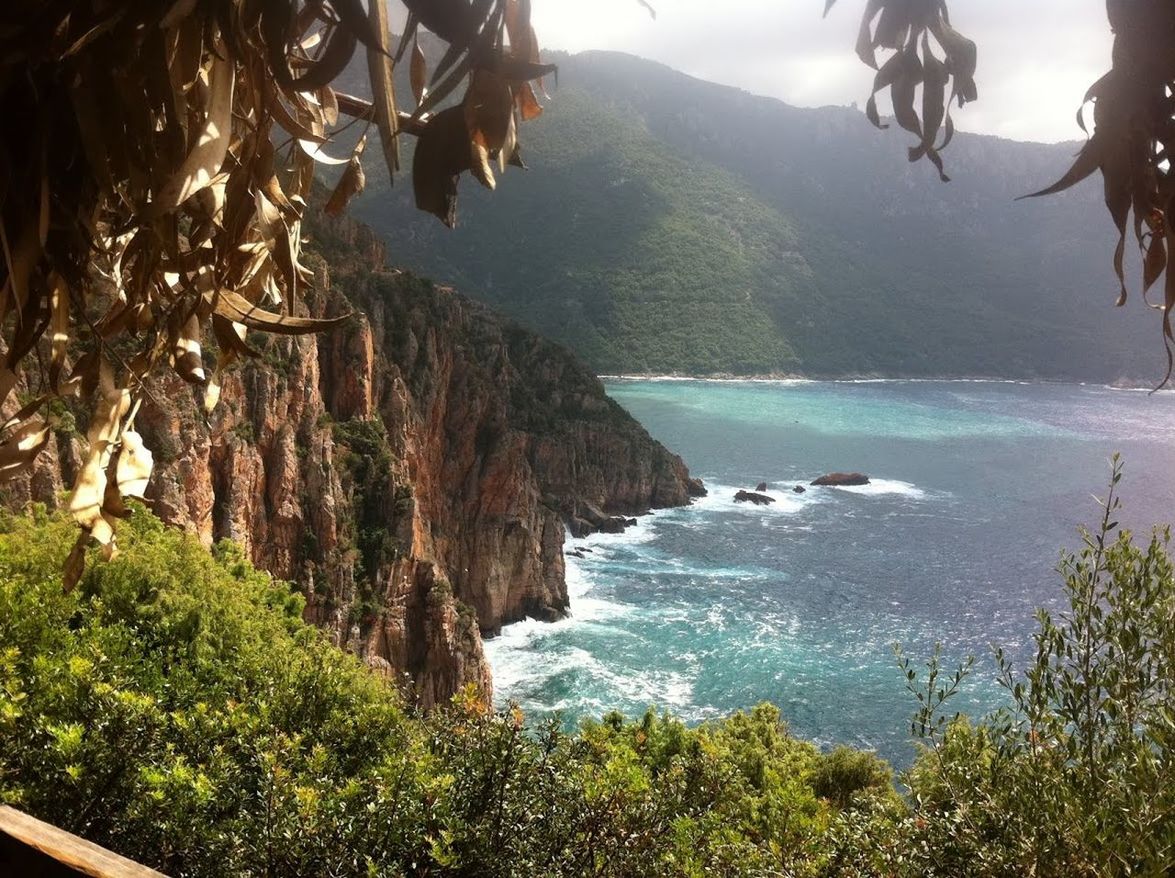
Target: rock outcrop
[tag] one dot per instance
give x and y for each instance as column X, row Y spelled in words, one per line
column 842, row 480
column 411, row 471
column 752, row 497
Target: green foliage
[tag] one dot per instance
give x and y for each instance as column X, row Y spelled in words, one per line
column 1077, row 777
column 64, row 421
column 845, row 777
column 377, row 501
column 244, row 430
column 176, row 709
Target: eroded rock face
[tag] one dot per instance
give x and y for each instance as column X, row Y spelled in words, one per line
column 410, row 471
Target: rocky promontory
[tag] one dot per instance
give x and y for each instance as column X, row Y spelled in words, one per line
column 411, row 471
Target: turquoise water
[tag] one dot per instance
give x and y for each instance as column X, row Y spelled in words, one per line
column 719, row 606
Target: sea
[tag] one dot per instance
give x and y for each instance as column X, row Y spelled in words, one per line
column 975, row 489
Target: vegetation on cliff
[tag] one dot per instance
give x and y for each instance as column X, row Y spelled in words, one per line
column 176, row 708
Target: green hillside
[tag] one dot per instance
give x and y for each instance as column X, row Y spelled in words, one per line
column 669, row 224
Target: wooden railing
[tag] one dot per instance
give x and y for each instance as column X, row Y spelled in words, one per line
column 31, row 848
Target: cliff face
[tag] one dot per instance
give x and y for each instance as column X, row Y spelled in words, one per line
column 411, row 471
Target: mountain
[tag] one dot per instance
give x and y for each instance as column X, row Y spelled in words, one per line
column 670, row 224
column 411, row 471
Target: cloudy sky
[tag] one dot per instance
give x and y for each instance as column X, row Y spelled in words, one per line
column 1036, row 57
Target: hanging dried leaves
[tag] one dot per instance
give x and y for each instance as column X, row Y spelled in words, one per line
column 501, row 61
column 931, row 67
column 155, row 184
column 1131, row 144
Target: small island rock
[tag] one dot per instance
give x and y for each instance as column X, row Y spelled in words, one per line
column 799, row 489
column 761, row 487
column 752, row 497
column 842, row 480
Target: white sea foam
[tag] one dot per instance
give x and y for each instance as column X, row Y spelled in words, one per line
column 520, row 669
column 883, row 486
column 528, row 655
column 720, row 498
column 667, row 379
column 788, row 381
column 516, row 655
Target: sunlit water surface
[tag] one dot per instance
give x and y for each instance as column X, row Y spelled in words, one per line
column 718, row 606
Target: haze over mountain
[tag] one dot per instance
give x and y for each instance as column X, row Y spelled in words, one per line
column 673, row 225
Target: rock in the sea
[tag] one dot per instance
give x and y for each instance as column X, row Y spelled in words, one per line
column 695, row 488
column 547, row 613
column 615, row 524
column 761, row 487
column 799, row 489
column 842, row 480
column 752, row 497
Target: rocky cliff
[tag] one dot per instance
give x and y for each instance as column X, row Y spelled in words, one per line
column 412, row 471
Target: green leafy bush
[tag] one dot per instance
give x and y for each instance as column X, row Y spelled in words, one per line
column 176, row 709
column 1077, row 776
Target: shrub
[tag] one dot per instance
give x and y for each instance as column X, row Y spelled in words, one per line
column 844, row 776
column 1077, row 776
column 176, row 708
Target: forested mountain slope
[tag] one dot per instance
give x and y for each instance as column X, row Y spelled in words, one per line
column 669, row 224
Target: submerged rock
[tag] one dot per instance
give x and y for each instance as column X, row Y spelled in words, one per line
column 842, row 480
column 799, row 489
column 752, row 497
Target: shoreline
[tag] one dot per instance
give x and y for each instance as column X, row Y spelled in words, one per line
column 786, row 378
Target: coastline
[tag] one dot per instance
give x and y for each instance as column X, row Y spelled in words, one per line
column 791, row 378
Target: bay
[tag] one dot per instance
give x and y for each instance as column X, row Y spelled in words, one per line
column 976, row 487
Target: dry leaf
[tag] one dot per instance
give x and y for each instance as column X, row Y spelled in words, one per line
column 418, row 73
column 186, row 351
column 135, row 462
column 205, row 160
column 350, row 184
column 18, row 451
column 443, row 152
column 383, row 87
column 145, row 196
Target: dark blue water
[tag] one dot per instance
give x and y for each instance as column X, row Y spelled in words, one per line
column 719, row 606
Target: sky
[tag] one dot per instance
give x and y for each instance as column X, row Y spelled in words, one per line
column 1036, row 57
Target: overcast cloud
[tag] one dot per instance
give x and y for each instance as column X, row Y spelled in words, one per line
column 1036, row 57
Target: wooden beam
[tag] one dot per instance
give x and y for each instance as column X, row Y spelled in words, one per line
column 32, row 847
